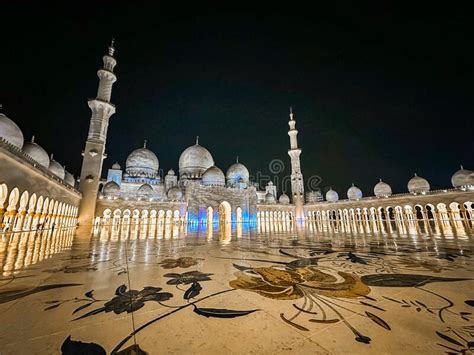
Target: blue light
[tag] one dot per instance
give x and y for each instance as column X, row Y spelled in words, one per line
column 194, row 227
column 192, row 218
column 201, row 217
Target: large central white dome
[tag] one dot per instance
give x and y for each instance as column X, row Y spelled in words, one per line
column 142, row 162
column 194, row 161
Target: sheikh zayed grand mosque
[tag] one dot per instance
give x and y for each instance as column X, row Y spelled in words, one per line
column 37, row 192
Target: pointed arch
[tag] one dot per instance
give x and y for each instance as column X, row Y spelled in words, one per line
column 225, row 213
column 238, row 215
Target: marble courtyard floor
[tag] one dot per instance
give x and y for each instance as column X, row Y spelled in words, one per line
column 199, row 292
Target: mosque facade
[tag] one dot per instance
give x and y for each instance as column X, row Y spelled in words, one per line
column 37, row 192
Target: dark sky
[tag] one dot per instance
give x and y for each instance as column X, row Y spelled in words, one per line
column 380, row 91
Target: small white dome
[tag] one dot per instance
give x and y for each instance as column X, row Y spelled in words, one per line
column 56, row 168
column 111, row 189
column 354, row 193
column 213, row 177
column 417, row 185
column 145, row 191
column 471, row 179
column 463, row 179
column 269, row 198
column 142, row 162
column 116, row 166
column 175, row 194
column 194, row 161
column 237, row 173
column 38, row 154
column 284, row 199
column 171, row 172
column 382, row 189
column 69, row 178
column 332, row 196
column 10, row 132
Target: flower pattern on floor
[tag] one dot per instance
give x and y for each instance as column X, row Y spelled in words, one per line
column 182, row 262
column 362, row 290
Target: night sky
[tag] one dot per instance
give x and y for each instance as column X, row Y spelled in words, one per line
column 379, row 92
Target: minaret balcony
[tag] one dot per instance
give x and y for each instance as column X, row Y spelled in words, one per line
column 106, row 74
column 294, row 152
column 101, row 101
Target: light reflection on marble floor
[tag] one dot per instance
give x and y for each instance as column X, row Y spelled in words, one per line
column 244, row 290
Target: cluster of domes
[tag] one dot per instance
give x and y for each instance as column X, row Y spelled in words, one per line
column 112, row 190
column 462, row 179
column 237, row 174
column 268, row 197
column 353, row 194
column 195, row 162
column 381, row 189
column 143, row 163
column 13, row 135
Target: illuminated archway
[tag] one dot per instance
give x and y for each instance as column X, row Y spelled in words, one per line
column 152, row 223
column 3, row 198
column 238, row 215
column 210, row 217
column 176, row 217
column 225, row 213
column 21, row 212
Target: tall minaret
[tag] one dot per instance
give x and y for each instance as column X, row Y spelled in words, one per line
column 297, row 184
column 94, row 152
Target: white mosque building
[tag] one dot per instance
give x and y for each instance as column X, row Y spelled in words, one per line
column 37, row 191
column 199, row 187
